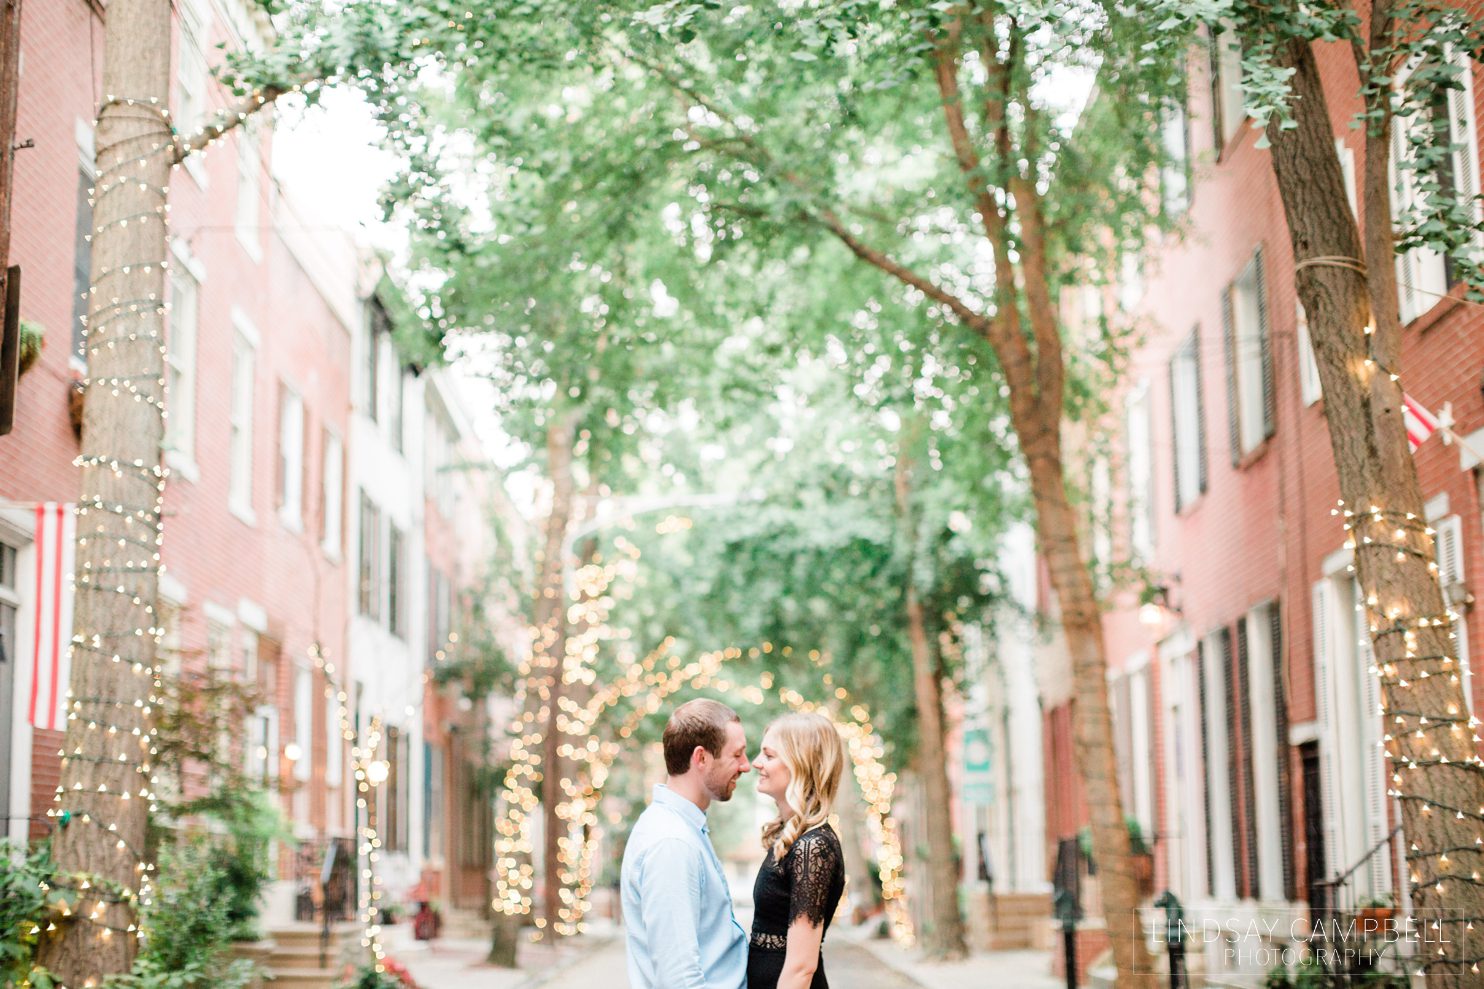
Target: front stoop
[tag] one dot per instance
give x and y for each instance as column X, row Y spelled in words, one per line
column 294, row 961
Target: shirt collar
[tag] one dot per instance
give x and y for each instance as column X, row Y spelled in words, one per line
column 666, row 797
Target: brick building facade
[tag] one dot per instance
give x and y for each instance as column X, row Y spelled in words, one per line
column 270, row 455
column 1242, row 697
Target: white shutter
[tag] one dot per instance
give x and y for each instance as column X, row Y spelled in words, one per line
column 1378, row 821
column 1309, row 387
column 1449, row 546
column 1328, row 735
column 1464, row 136
column 1401, row 205
column 1218, row 776
column 1264, row 755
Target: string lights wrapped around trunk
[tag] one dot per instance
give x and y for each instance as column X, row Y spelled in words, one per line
column 645, row 685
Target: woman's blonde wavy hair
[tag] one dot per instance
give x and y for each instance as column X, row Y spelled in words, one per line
column 810, row 746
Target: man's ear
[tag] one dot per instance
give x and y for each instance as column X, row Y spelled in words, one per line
column 697, row 754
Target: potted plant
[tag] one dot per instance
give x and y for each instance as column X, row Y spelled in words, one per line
column 31, row 340
column 1143, row 856
column 1374, row 914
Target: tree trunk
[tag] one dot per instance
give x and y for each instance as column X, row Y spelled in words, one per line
column 1429, row 742
column 549, row 624
column 105, row 791
column 943, row 933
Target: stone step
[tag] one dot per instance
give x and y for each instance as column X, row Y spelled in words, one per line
column 303, row 978
column 299, row 934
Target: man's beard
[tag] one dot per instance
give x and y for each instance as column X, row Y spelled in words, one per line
column 722, row 790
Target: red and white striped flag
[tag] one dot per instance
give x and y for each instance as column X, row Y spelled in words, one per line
column 1420, row 423
column 56, row 527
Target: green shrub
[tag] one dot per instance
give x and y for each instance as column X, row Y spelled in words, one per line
column 24, row 906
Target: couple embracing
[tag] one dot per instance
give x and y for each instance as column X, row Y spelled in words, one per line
column 677, row 906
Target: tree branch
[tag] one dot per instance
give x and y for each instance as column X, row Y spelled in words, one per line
column 227, row 118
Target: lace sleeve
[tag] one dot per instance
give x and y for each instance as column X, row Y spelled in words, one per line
column 816, row 861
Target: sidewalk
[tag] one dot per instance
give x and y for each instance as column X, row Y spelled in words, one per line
column 458, row 963
column 1021, row 969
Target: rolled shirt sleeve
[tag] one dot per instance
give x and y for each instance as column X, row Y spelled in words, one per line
column 670, row 901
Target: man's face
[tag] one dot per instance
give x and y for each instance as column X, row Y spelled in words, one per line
column 723, row 771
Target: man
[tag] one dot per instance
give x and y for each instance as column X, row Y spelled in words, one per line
column 677, row 908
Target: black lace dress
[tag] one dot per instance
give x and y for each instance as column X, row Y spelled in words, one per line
column 808, row 883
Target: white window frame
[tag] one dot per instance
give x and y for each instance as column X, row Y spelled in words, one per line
column 243, row 401
column 191, row 79
column 1140, row 466
column 249, row 191
column 290, row 458
column 1449, row 546
column 304, row 722
column 1233, row 105
column 1223, row 881
column 186, row 276
column 1421, row 273
column 1264, row 753
column 1247, row 361
column 1186, row 397
column 1184, row 806
column 332, row 484
column 261, row 755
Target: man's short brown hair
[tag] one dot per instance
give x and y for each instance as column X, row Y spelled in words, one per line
column 700, row 722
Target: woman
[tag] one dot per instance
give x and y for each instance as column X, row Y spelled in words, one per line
column 799, row 885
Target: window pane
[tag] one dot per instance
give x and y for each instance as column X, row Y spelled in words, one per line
column 82, row 264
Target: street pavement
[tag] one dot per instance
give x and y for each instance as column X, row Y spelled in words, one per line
column 597, row 960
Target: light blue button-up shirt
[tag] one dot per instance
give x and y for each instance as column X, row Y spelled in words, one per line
column 677, row 908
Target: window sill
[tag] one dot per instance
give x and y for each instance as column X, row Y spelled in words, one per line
column 1186, row 508
column 243, row 512
column 1434, row 315
column 292, row 523
column 251, row 245
column 331, row 553
column 183, row 465
column 1253, row 455
column 195, row 164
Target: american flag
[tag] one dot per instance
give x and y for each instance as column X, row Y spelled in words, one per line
column 55, row 528
column 1419, row 421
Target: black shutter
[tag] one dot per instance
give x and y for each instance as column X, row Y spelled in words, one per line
column 1280, row 721
column 1200, row 406
column 1265, row 343
column 1233, row 400
column 1175, row 429
column 1213, row 52
column 1233, row 760
column 1249, row 783
column 1204, row 772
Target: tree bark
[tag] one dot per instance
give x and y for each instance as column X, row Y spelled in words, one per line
column 943, row 933
column 549, row 623
column 104, row 798
column 1429, row 742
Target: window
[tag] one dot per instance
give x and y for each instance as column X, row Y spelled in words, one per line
column 244, row 361
column 1347, row 172
column 262, row 745
column 190, row 72
column 1100, row 494
column 394, row 828
column 304, row 722
column 218, row 646
column 332, row 482
column 378, row 327
column 439, row 620
column 1174, row 177
column 249, row 191
column 1268, row 751
column 82, row 263
column 369, row 598
column 1220, row 828
column 433, row 816
column 395, row 423
column 1228, row 112
column 180, row 433
column 290, row 458
column 1187, row 410
column 1140, row 475
column 1423, row 274
column 1249, row 360
column 396, row 558
column 334, row 741
column 1449, row 547
column 1134, row 745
